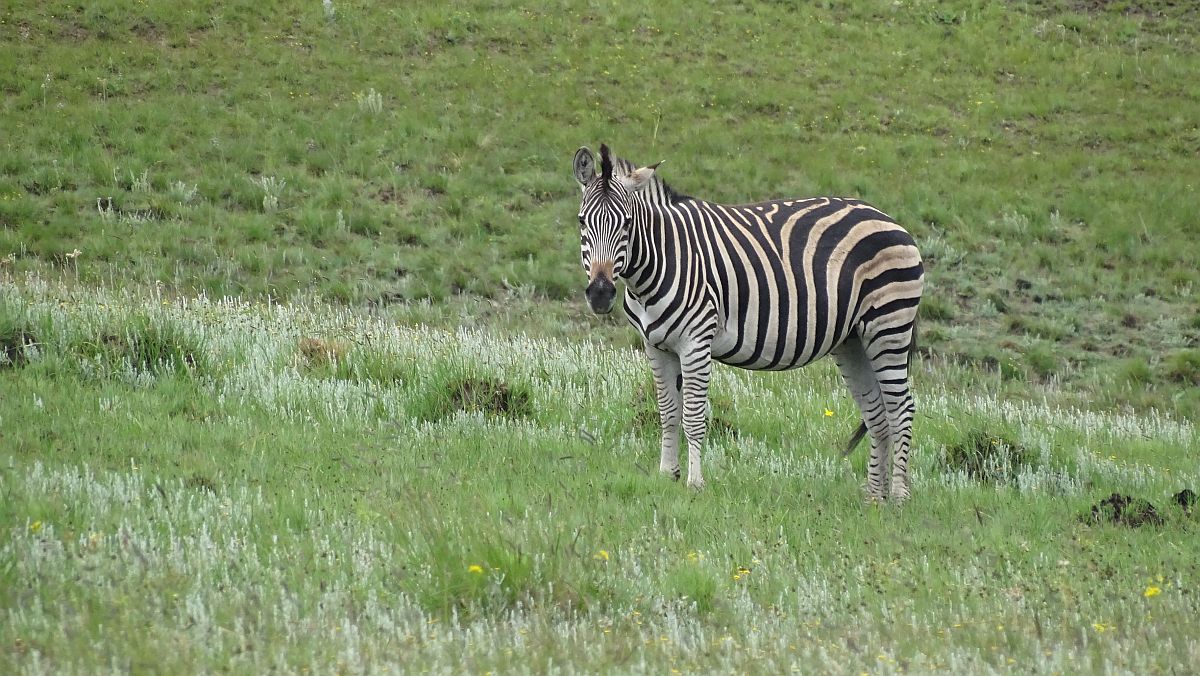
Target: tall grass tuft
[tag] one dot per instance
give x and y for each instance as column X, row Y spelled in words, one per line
column 141, row 346
column 272, row 188
column 18, row 342
column 370, row 101
column 988, row 457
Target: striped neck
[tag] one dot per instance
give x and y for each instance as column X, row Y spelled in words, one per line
column 653, row 237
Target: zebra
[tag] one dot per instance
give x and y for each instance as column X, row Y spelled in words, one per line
column 768, row 286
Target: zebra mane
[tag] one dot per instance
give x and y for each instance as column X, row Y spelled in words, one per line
column 608, row 162
column 671, row 193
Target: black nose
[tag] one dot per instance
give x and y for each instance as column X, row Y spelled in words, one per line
column 600, row 294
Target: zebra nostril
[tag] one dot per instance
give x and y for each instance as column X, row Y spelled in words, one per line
column 600, row 294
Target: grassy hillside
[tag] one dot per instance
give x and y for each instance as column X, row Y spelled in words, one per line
column 192, row 485
column 294, row 373
column 1044, row 154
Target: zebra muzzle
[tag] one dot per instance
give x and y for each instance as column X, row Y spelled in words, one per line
column 600, row 294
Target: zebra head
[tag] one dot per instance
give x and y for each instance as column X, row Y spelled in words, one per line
column 605, row 218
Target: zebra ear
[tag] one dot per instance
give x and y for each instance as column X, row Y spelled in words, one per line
column 584, row 166
column 639, row 178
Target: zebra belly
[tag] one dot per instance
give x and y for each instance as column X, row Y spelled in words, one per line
column 749, row 353
column 771, row 356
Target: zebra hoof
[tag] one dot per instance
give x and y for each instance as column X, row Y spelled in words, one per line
column 874, row 495
column 673, row 473
column 900, row 492
column 696, row 484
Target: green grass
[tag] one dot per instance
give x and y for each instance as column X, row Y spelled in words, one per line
column 288, row 504
column 400, row 442
column 1042, row 153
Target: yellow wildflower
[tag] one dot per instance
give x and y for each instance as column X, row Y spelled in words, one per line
column 1151, row 591
column 35, row 526
column 602, row 555
column 828, row 413
column 475, row 568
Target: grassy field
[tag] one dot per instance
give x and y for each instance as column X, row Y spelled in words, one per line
column 401, row 443
column 199, row 485
column 1044, row 154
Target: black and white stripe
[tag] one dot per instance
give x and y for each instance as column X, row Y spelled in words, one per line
column 767, row 286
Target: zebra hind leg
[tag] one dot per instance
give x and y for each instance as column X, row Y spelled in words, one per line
column 860, row 379
column 890, row 352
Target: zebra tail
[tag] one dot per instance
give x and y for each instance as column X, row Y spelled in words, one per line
column 855, row 438
column 862, row 426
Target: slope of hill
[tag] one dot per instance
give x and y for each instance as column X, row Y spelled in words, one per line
column 293, row 373
column 1043, row 153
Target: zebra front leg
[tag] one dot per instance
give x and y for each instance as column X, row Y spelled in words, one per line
column 667, row 378
column 697, row 369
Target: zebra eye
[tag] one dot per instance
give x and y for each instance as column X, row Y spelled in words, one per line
column 581, row 223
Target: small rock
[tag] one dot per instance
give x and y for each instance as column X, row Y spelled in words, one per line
column 1123, row 510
